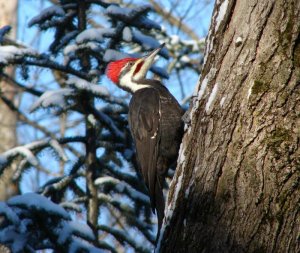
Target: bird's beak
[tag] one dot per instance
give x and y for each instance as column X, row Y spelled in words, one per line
column 147, row 62
column 149, row 59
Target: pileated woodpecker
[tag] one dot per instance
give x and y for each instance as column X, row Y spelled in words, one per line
column 155, row 123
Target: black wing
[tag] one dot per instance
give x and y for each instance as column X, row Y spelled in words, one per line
column 144, row 121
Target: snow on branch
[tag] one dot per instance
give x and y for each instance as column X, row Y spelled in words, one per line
column 75, row 228
column 70, row 50
column 122, row 187
column 135, row 17
column 46, row 14
column 28, row 57
column 148, row 42
column 59, row 150
column 25, row 213
column 84, row 85
column 95, row 34
column 57, row 98
column 21, row 150
column 63, row 42
column 56, row 185
column 9, row 214
column 113, row 55
column 160, row 71
column 8, row 53
column 128, row 178
column 37, row 203
column 27, row 151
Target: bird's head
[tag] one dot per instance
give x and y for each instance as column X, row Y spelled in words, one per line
column 127, row 72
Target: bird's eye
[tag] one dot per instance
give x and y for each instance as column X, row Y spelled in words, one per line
column 130, row 64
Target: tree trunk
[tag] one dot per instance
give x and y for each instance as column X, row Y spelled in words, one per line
column 8, row 119
column 236, row 188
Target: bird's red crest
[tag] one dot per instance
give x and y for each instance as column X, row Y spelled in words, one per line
column 114, row 68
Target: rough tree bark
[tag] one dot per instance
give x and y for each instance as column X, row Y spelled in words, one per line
column 8, row 119
column 236, row 188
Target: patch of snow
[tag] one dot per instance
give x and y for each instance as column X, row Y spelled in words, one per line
column 160, row 71
column 55, row 10
column 116, row 10
column 205, row 81
column 221, row 13
column 147, row 23
column 11, row 52
column 59, row 150
column 97, row 34
column 194, row 44
column 65, row 233
column 82, row 84
column 104, row 180
column 70, row 49
column 249, row 92
column 148, row 42
column 21, row 150
column 174, row 39
column 71, row 206
column 129, row 14
column 91, row 118
column 211, row 97
column 52, row 98
column 203, row 87
column 82, row 229
column 9, row 213
column 208, row 47
column 122, row 187
column 127, row 35
column 113, row 55
column 74, row 228
column 36, row 202
column 24, row 151
column 181, row 157
column 238, row 41
column 185, row 59
column 222, row 101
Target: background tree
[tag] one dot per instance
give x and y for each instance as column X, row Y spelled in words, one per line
column 93, row 174
column 236, row 188
column 8, row 118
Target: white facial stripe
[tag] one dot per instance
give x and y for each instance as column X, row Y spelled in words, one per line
column 127, row 83
column 130, row 82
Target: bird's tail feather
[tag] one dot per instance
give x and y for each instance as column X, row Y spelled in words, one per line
column 160, row 204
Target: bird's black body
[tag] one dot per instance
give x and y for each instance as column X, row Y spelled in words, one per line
column 157, row 129
column 155, row 119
